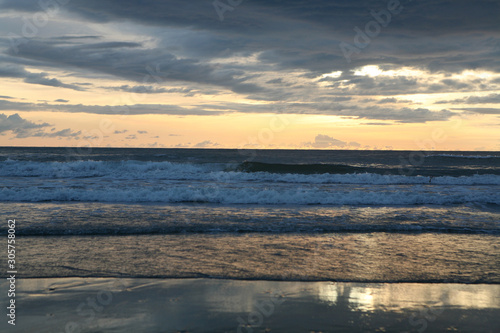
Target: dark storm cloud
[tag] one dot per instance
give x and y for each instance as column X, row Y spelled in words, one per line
column 301, row 34
column 436, row 34
column 431, row 17
column 130, row 61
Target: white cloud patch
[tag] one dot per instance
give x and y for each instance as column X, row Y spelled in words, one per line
column 326, row 141
column 18, row 125
column 23, row 128
column 67, row 132
column 206, row 144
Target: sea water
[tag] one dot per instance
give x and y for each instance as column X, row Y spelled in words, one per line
column 385, row 216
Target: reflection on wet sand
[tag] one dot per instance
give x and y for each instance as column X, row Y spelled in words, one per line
column 213, row 305
column 402, row 296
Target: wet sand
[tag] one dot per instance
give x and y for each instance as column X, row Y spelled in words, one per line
column 358, row 257
column 215, row 305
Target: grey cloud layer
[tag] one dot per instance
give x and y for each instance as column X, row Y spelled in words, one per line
column 480, row 110
column 400, row 115
column 489, row 99
column 15, row 71
column 437, row 34
column 130, row 61
column 135, row 109
column 191, row 48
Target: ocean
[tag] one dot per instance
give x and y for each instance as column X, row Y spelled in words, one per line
column 292, row 215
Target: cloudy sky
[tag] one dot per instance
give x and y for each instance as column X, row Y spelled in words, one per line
column 371, row 74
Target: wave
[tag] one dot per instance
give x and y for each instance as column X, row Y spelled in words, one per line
column 304, row 169
column 257, row 194
column 244, row 172
column 249, row 229
column 85, row 169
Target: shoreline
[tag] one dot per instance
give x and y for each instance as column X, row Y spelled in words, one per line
column 298, row 280
column 222, row 305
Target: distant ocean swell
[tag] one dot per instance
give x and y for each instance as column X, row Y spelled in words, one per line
column 247, row 171
column 464, row 156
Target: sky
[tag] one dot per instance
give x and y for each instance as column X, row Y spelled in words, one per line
column 297, row 74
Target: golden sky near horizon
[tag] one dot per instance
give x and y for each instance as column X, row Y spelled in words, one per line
column 156, row 77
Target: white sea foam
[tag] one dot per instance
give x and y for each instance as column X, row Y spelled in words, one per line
column 130, row 170
column 284, row 194
column 135, row 181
